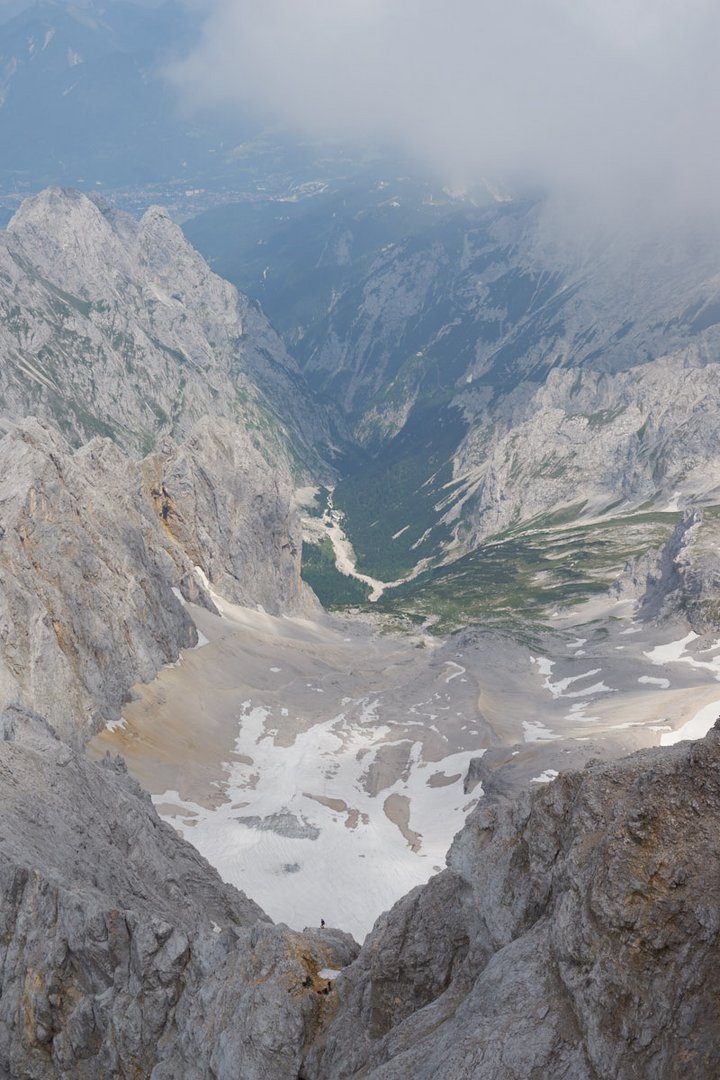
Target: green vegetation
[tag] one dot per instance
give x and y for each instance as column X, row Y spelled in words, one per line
column 390, row 502
column 333, row 589
column 515, row 582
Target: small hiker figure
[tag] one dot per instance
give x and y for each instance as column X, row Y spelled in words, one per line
column 329, row 987
column 322, row 924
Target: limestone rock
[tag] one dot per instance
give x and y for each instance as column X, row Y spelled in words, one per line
column 122, row 954
column 231, row 512
column 117, row 327
column 93, row 571
column 574, row 933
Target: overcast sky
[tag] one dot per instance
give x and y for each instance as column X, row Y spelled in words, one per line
column 602, row 99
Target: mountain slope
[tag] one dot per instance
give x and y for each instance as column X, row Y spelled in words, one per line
column 98, row 554
column 494, row 369
column 569, row 936
column 122, row 953
column 117, row 327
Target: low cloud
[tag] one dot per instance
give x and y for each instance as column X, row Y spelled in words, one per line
column 612, row 101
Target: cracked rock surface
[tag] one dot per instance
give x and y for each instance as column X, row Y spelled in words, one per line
column 122, row 953
column 575, row 933
column 98, row 551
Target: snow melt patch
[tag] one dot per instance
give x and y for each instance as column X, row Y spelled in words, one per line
column 696, row 728
column 534, row 731
column 675, row 652
column 558, row 689
column 318, row 842
column 649, row 680
column 453, row 675
column 546, row 777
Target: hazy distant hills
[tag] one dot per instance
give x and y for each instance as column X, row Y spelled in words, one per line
column 83, row 100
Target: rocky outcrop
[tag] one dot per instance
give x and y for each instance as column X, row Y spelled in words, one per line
column 98, row 553
column 92, row 301
column 231, row 512
column 587, row 444
column 681, row 580
column 122, row 954
column 116, row 331
column 573, row 934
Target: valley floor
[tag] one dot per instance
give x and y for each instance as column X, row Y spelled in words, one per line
column 321, row 765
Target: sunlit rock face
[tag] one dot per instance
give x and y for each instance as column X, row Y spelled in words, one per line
column 117, row 327
column 98, row 554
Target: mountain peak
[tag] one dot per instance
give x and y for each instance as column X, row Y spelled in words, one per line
column 56, row 201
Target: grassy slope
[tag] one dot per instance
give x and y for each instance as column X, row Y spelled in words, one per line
column 518, row 580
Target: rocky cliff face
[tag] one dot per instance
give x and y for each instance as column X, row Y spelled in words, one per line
column 681, row 579
column 571, row 935
column 116, row 327
column 122, row 954
column 231, row 512
column 98, row 552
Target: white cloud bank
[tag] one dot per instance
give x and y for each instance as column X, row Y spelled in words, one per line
column 616, row 99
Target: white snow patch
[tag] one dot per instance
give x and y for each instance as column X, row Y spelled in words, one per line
column 328, row 761
column 648, row 680
column 558, row 689
column 665, row 654
column 537, row 732
column 577, row 712
column 696, row 728
column 675, row 652
column 460, row 670
column 546, row 777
